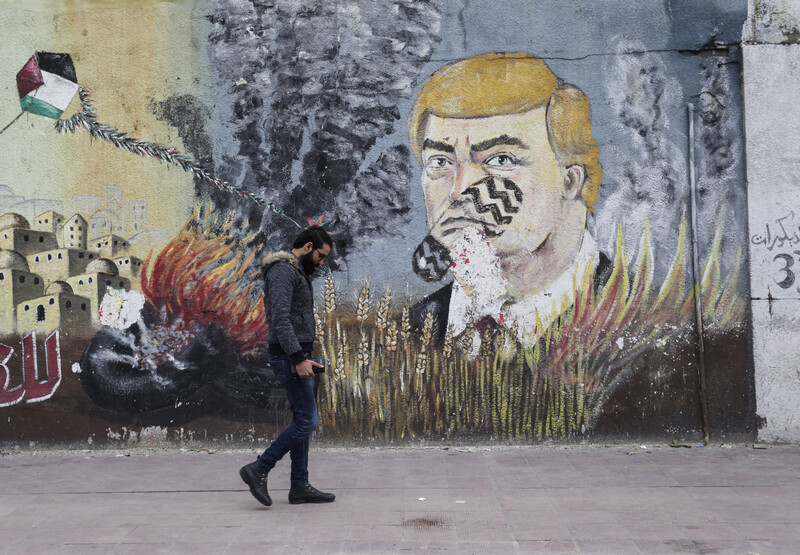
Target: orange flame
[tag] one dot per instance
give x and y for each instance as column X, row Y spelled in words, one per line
column 198, row 278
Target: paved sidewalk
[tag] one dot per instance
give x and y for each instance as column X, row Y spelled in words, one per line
column 616, row 499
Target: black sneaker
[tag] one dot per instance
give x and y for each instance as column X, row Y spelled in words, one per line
column 309, row 494
column 257, row 480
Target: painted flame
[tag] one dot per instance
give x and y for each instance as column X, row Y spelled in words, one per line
column 203, row 276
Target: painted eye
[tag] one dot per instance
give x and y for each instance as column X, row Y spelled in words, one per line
column 439, row 162
column 501, row 161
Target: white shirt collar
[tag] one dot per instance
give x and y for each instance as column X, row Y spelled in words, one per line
column 555, row 299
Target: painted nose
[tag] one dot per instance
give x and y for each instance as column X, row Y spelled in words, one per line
column 466, row 174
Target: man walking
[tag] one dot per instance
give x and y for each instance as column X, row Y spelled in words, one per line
column 289, row 304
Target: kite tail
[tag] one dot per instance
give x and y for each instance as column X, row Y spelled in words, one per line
column 86, row 120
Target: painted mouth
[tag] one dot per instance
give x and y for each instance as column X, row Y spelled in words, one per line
column 457, row 223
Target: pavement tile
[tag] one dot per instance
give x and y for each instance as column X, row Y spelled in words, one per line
column 712, row 531
column 654, row 530
column 77, row 549
column 733, row 547
column 605, row 531
column 542, row 517
column 692, row 514
column 200, row 534
column 586, row 516
column 370, row 546
column 427, row 500
column 770, row 531
column 698, row 546
column 23, row 519
column 167, row 548
column 541, row 532
column 156, row 534
column 308, row 531
column 83, row 535
column 750, row 514
column 516, row 499
column 485, row 532
column 482, row 548
column 657, row 547
column 525, row 500
column 618, row 547
column 580, row 503
column 475, row 481
column 279, row 548
column 406, row 533
column 551, row 546
column 643, row 515
column 418, row 519
column 518, row 482
column 772, row 547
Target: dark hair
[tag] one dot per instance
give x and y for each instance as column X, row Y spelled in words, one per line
column 316, row 235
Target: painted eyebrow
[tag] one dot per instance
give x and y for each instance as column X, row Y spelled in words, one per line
column 501, row 140
column 438, row 145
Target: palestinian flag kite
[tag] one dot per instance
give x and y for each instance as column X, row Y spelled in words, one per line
column 47, row 84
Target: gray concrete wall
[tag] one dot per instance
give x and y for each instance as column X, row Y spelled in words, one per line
column 771, row 53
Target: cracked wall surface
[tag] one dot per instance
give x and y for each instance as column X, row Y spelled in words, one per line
column 773, row 22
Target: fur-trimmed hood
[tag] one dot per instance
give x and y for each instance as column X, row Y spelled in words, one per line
column 279, row 256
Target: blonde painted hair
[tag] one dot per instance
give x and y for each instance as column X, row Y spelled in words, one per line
column 497, row 84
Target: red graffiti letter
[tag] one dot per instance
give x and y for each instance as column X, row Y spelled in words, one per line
column 8, row 396
column 34, row 389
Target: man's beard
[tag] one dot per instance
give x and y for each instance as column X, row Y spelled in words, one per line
column 307, row 262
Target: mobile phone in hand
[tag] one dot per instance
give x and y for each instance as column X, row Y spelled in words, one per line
column 316, row 369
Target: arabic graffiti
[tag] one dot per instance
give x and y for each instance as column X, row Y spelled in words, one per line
column 31, row 389
column 787, row 233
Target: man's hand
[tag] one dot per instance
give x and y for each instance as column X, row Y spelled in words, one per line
column 306, row 368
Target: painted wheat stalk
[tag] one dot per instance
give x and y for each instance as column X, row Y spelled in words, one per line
column 362, row 310
column 382, row 319
column 553, row 387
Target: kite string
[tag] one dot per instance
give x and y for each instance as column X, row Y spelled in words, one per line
column 12, row 121
column 86, row 120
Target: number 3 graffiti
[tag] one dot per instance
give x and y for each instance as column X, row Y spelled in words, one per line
column 789, row 275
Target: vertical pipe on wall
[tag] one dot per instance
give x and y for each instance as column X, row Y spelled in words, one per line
column 696, row 278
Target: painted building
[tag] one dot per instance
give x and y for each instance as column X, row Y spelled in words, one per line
column 84, row 204
column 100, row 276
column 129, row 267
column 16, row 235
column 59, row 264
column 109, row 246
column 49, row 221
column 75, row 231
column 30, row 207
column 105, row 222
column 112, row 196
column 58, row 309
column 134, row 215
column 17, row 284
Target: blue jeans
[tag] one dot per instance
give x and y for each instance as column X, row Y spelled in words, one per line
column 294, row 439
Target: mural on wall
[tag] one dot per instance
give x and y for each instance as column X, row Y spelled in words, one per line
column 539, row 256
